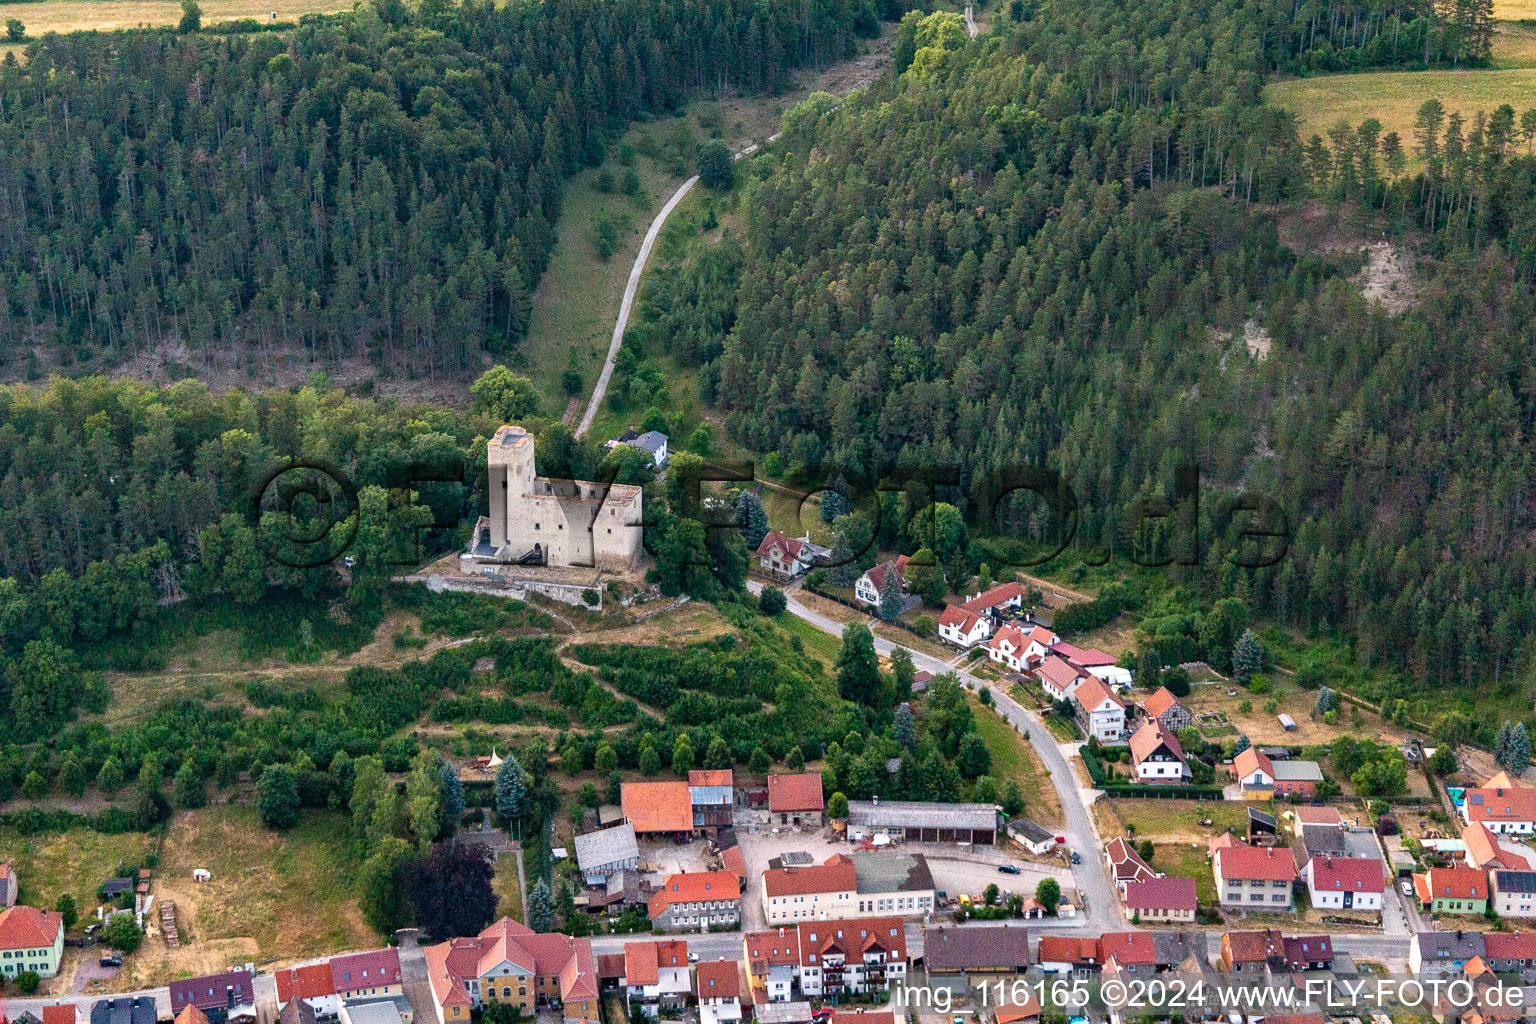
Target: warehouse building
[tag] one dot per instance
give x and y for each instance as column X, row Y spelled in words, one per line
column 919, row 822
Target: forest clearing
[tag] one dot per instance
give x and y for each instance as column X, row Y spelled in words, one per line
column 107, row 15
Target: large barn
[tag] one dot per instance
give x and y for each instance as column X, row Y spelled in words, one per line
column 919, row 822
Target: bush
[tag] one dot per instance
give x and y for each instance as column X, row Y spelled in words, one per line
column 122, row 933
column 771, row 601
column 26, row 982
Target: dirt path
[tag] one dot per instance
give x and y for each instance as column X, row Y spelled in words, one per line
column 970, row 22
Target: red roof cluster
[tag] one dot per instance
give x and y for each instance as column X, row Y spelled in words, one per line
column 836, row 875
column 1346, row 874
column 695, row 887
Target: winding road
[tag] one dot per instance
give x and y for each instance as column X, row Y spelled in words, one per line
column 633, row 286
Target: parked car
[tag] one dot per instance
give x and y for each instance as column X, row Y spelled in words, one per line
column 1077, row 858
column 111, row 961
column 1008, row 869
column 1408, row 887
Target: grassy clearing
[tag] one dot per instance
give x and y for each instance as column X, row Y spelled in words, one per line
column 821, row 646
column 76, row 862
column 1179, row 820
column 106, row 15
column 1014, row 759
column 1394, row 97
column 509, row 891
column 1263, row 727
column 1181, row 860
column 272, row 895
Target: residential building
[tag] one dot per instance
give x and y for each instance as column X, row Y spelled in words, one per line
column 1031, row 835
column 713, row 795
column 1510, row 952
column 61, row 1013
column 1506, row 809
column 788, row 557
column 1125, row 864
column 658, row 808
column 1254, row 878
column 963, row 628
column 1345, row 883
column 868, row 588
column 773, row 961
column 30, row 940
column 717, row 989
column 1021, row 648
column 960, row 953
column 656, row 976
column 1253, row 952
column 189, row 1015
column 1457, row 890
column 1309, row 815
column 10, row 886
column 851, row 957
column 366, row 975
column 1262, row 778
column 1058, row 678
column 220, row 997
column 376, row 1010
column 541, row 521
column 1309, row 952
column 697, row 900
column 1491, row 851
column 297, row 1011
column 1131, row 952
column 1095, row 662
column 510, row 963
column 994, row 602
column 861, row 885
column 1513, row 893
column 652, row 442
column 1162, row 900
column 922, row 822
column 124, row 1010
column 606, row 852
column 1156, row 756
column 1443, row 953
column 1069, row 954
column 309, row 986
column 1164, row 707
column 796, row 800
column 1100, row 714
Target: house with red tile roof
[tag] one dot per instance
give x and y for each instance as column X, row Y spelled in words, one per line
column 788, row 557
column 1131, row 950
column 658, row 808
column 66, row 1013
column 1125, row 864
column 1160, row 900
column 772, row 959
column 1164, row 707
column 717, row 989
column 1455, row 890
column 1069, row 954
column 311, row 985
column 372, row 974
column 1309, row 952
column 1490, row 851
column 30, row 940
column 1510, row 951
column 868, row 588
column 189, row 1015
column 962, row 627
column 998, row 599
column 1099, row 664
column 1156, row 756
column 1506, row 809
column 1100, row 714
column 1252, row 951
column 851, row 957
column 1019, row 646
column 657, row 976
column 512, row 964
column 796, row 800
column 1345, row 883
column 1057, row 677
column 1261, row 778
column 696, row 900
column 1254, row 878
column 810, row 893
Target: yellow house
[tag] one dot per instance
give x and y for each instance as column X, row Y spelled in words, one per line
column 510, row 963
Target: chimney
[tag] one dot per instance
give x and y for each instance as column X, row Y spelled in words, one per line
column 229, row 994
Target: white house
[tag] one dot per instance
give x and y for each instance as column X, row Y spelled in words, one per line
column 1345, row 883
column 1099, row 712
column 867, row 589
column 1059, row 679
column 1156, row 755
column 963, row 628
column 1001, row 598
column 1506, row 809
column 789, row 556
column 652, row 442
column 718, row 991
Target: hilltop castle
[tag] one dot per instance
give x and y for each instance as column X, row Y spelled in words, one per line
column 538, row 521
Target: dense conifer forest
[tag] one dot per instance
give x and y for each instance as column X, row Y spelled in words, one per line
column 382, row 184
column 1044, row 246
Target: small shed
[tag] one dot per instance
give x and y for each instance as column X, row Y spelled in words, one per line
column 201, row 875
column 1262, row 829
column 1287, row 722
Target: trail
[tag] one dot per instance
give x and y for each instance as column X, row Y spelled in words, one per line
column 970, row 22
column 633, row 286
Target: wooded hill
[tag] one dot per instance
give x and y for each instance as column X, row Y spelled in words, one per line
column 1042, row 247
column 380, row 184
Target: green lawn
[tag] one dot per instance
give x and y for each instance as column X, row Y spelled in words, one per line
column 1014, row 759
column 1182, row 817
column 509, row 891
column 819, row 645
column 1181, row 860
column 77, row 862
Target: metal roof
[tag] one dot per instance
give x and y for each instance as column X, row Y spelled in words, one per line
column 915, row 814
column 606, row 846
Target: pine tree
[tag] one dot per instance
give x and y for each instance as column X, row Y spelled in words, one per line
column 752, row 518
column 510, row 790
column 1325, row 700
column 110, row 779
column 1517, row 756
column 1247, row 656
column 891, row 598
column 904, row 728
column 453, row 795
column 682, row 757
column 541, row 907
column 1243, row 743
column 718, row 755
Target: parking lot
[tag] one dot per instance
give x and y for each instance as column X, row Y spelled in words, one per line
column 956, row 876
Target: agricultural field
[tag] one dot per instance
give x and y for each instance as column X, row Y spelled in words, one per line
column 1394, row 97
column 1170, row 820
column 106, row 15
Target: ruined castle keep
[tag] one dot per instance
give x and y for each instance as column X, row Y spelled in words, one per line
column 535, row 520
